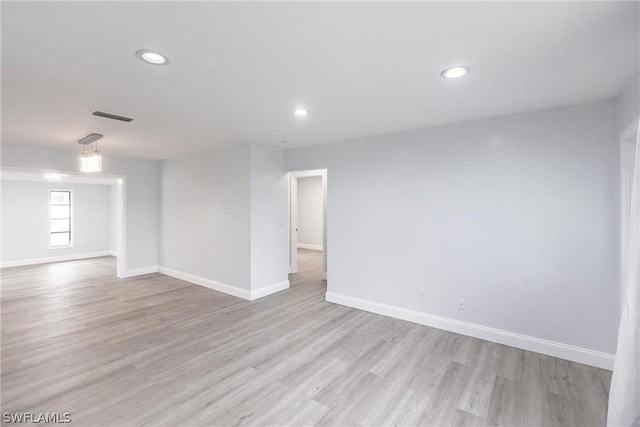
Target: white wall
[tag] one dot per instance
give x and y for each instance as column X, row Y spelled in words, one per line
column 269, row 218
column 628, row 104
column 25, row 219
column 141, row 194
column 224, row 220
column 310, row 208
column 205, row 217
column 518, row 215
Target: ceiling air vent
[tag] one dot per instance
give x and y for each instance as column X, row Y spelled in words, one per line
column 112, row 116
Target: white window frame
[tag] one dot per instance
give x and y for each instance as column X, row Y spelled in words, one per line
column 71, row 218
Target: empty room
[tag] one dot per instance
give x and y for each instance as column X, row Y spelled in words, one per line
column 320, row 213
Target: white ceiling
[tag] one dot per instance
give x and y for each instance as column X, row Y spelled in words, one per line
column 238, row 69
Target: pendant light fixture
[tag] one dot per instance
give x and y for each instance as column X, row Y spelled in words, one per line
column 90, row 157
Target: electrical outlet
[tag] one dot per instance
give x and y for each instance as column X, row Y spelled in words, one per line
column 460, row 304
column 423, row 296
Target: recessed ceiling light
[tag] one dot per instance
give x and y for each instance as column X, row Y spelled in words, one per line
column 152, row 57
column 455, row 72
column 300, row 112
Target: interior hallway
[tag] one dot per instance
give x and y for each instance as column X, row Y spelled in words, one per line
column 309, row 270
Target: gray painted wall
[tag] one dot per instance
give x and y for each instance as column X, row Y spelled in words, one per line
column 310, row 210
column 224, row 216
column 205, row 217
column 628, row 104
column 25, row 219
column 518, row 215
column 141, row 193
column 269, row 217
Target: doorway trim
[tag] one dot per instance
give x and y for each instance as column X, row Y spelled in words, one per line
column 627, row 159
column 293, row 217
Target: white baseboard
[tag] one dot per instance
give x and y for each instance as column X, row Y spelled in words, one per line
column 132, row 272
column 207, row 283
column 269, row 289
column 538, row 345
column 309, row 246
column 70, row 257
column 223, row 287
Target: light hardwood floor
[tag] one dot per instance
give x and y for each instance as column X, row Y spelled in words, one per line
column 153, row 350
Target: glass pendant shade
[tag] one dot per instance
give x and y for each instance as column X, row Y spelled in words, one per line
column 91, row 161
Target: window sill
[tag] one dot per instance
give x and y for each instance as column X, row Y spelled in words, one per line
column 61, row 247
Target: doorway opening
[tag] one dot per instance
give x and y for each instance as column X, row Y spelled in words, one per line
column 308, row 227
column 62, row 216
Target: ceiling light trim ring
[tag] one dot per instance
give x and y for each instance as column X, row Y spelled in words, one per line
column 455, row 72
column 152, row 56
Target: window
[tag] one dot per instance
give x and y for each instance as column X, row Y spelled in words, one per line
column 59, row 218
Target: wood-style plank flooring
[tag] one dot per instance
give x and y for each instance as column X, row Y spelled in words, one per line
column 153, row 350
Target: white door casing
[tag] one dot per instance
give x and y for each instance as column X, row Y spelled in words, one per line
column 293, row 217
column 627, row 159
